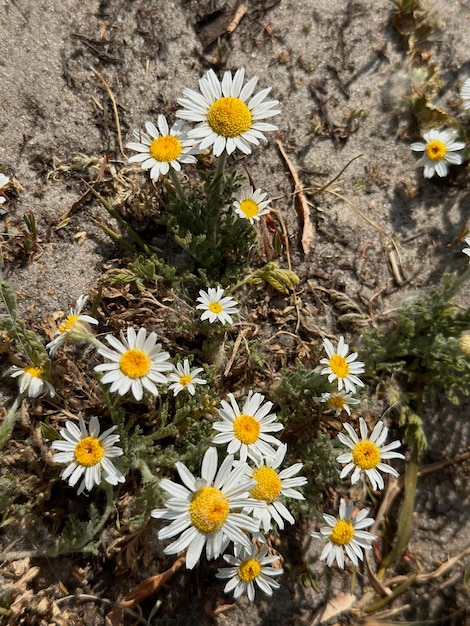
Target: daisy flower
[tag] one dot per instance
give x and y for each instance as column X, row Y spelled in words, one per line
column 340, row 366
column 33, row 382
column 246, row 431
column 338, row 401
column 367, row 454
column 271, row 484
column 247, row 569
column 88, row 454
column 440, row 150
column 161, row 148
column 205, row 511
column 465, row 94
column 137, row 363
column 215, row 306
column 75, row 329
column 345, row 533
column 229, row 117
column 251, row 205
column 183, row 377
column 467, row 250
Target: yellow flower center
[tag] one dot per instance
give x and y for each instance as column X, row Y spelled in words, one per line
column 269, row 484
column 185, row 380
column 229, row 117
column 135, row 363
column 215, row 307
column 342, row 532
column 166, row 148
column 209, row 509
column 436, row 150
column 246, row 428
column 366, row 454
column 249, row 207
column 339, row 366
column 69, row 322
column 89, row 451
column 249, row 570
column 337, row 402
column 35, row 372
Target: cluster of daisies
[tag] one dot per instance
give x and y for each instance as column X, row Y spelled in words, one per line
column 229, row 117
column 136, row 362
column 237, row 503
column 366, row 457
column 441, row 147
column 240, row 501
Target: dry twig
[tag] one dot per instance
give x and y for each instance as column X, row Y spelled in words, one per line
column 307, row 233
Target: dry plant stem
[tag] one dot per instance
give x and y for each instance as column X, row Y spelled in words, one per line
column 115, row 109
column 369, row 221
column 240, row 12
column 85, row 597
column 376, row 606
column 307, row 233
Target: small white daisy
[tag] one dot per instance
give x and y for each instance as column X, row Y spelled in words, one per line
column 247, row 568
column 440, row 150
column 33, row 382
column 88, row 454
column 75, row 329
column 251, row 205
column 137, row 363
column 158, row 151
column 465, row 94
column 467, row 250
column 229, row 117
column 345, row 533
column 367, row 454
column 340, row 366
column 246, row 431
column 183, row 377
column 216, row 306
column 339, row 401
column 270, row 486
column 205, row 511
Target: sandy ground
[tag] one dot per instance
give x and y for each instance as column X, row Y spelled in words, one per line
column 341, row 73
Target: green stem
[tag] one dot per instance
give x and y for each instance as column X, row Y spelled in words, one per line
column 8, row 423
column 178, row 187
column 219, row 172
column 78, row 547
column 112, row 211
column 460, row 281
column 405, row 520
